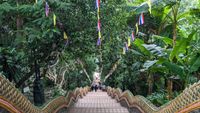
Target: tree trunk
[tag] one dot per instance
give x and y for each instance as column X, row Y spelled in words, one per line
column 169, row 88
column 174, row 34
column 150, row 84
column 114, row 67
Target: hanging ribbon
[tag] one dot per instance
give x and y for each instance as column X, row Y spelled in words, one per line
column 97, row 3
column 98, row 22
column 98, row 42
column 129, row 41
column 54, row 19
column 65, row 36
column 46, row 9
column 99, row 34
column 132, row 36
column 149, row 4
column 141, row 19
column 136, row 25
column 99, row 25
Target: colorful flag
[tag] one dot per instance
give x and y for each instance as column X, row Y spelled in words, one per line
column 99, row 22
column 99, row 34
column 98, row 42
column 149, row 4
column 136, row 25
column 54, row 19
column 141, row 19
column 99, row 25
column 97, row 3
column 65, row 36
column 129, row 41
column 46, row 9
column 132, row 36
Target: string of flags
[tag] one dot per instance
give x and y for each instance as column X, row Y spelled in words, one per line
column 139, row 23
column 98, row 22
column 47, row 11
column 132, row 37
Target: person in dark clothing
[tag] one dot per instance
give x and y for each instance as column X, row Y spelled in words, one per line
column 96, row 87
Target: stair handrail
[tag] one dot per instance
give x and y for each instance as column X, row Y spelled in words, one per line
column 187, row 101
column 14, row 101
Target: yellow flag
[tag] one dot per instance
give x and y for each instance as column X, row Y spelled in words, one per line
column 98, row 17
column 54, row 19
column 136, row 25
column 99, row 34
column 98, row 10
column 149, row 4
column 129, row 41
column 65, row 36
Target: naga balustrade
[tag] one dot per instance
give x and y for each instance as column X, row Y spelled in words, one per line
column 187, row 101
column 14, row 101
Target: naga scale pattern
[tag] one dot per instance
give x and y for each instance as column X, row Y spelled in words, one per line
column 186, row 102
column 15, row 102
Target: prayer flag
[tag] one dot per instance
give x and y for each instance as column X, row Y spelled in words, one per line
column 99, row 25
column 98, row 11
column 129, row 41
column 97, row 3
column 132, row 36
column 99, row 34
column 54, row 19
column 141, row 19
column 46, row 9
column 136, row 25
column 98, row 42
column 65, row 36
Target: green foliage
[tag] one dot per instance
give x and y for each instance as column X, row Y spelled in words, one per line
column 28, row 35
column 181, row 47
column 158, row 98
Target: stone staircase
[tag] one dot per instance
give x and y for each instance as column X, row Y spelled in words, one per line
column 97, row 102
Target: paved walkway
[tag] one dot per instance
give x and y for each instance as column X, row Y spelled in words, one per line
column 97, row 102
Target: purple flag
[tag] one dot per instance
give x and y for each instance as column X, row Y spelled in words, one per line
column 47, row 9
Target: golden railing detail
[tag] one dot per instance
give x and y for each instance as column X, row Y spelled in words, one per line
column 186, row 102
column 15, row 102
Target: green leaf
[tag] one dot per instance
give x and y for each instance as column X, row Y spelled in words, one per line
column 181, row 46
column 174, row 68
column 138, row 43
column 154, row 49
column 166, row 40
column 149, row 64
column 194, row 63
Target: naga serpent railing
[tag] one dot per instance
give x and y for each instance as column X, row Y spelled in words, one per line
column 15, row 102
column 186, row 102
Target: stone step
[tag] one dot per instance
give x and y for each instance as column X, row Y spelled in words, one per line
column 97, row 102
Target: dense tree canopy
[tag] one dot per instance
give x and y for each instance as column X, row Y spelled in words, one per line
column 166, row 50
